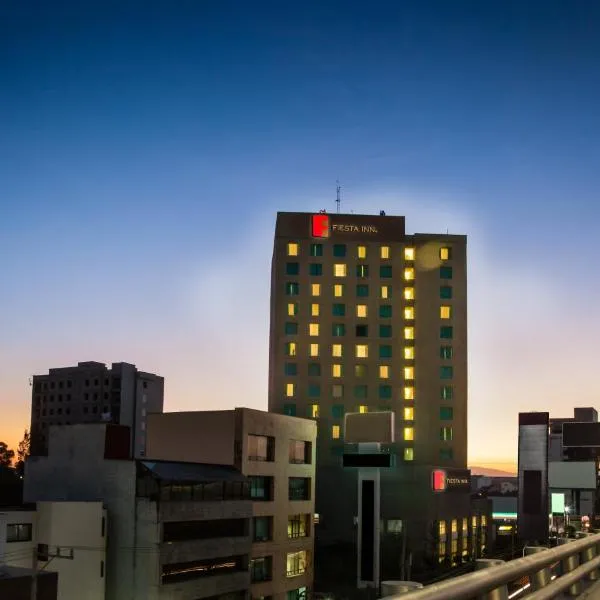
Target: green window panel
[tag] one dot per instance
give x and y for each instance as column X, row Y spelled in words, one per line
column 446, row 413
column 291, row 328
column 446, row 372
column 314, row 369
column 292, row 288
column 385, row 351
column 385, row 391
column 292, row 268
column 446, row 352
column 362, row 290
column 360, row 391
column 385, row 331
column 289, row 409
column 385, row 311
column 445, row 292
column 291, row 369
column 447, row 392
column 315, row 269
column 314, row 390
column 316, row 249
column 337, row 411
column 445, row 272
column 362, row 271
column 339, row 250
column 446, row 332
column 339, row 310
column 338, row 330
column 385, row 271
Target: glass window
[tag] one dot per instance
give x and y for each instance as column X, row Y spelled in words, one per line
column 361, row 252
column 409, row 353
column 289, row 389
column 446, row 413
column 409, row 273
column 262, row 528
column 315, row 269
column 446, row 332
column 261, row 488
column 409, row 293
column 385, row 351
column 445, row 253
column 336, row 350
column 385, row 271
column 385, row 311
column 362, row 351
column 446, row 352
column 316, row 249
column 445, row 272
column 445, row 312
column 291, row 328
column 292, row 288
column 299, row 488
column 339, row 249
column 362, row 290
column 409, row 392
column 18, row 532
column 362, row 331
column 313, row 411
column 409, row 434
column 361, row 310
column 261, row 447
column 292, row 249
column 409, row 413
column 385, row 292
column 409, row 313
column 446, row 392
column 314, row 369
column 360, row 370
column 339, row 310
column 385, row 252
column 446, row 434
column 338, row 290
column 363, row 409
column 338, row 330
column 409, row 373
column 385, row 391
column 314, row 310
column 291, row 369
column 298, row 526
column 385, row 331
column 337, row 390
column 314, row 350
column 337, row 411
column 292, row 268
column 260, row 569
column 313, row 329
column 384, row 371
column 409, row 333
column 445, row 292
column 335, row 432
column 362, row 270
column 292, row 309
column 409, row 253
column 339, row 270
column 446, row 372
column 336, row 370
column 360, row 391
column 409, row 453
column 297, row 563
column 289, row 409
column 290, row 348
column 315, row 289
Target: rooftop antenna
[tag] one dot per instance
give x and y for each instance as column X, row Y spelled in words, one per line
column 338, row 200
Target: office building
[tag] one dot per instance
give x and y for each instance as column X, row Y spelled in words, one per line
column 277, row 454
column 366, row 317
column 171, row 529
column 92, row 393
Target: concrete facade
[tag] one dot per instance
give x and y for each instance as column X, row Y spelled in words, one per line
column 18, row 530
column 230, row 437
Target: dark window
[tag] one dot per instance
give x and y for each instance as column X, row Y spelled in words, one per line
column 362, row 270
column 446, row 392
column 446, row 372
column 87, row 383
column 385, row 311
column 179, row 531
column 289, row 410
column 362, row 331
column 445, row 272
column 291, row 328
column 106, row 395
column 446, row 413
column 385, row 351
column 261, row 447
column 292, row 268
column 145, row 384
column 95, row 410
column 298, row 526
column 314, row 369
column 360, row 391
column 261, row 488
column 315, row 269
column 338, row 330
column 67, row 411
column 262, row 529
column 43, row 412
column 445, row 292
column 446, row 332
column 337, row 411
column 60, row 385
column 51, row 411
column 314, row 390
column 85, row 410
column 260, row 569
column 101, row 568
column 385, row 271
column 69, row 384
column 300, row 452
column 51, row 398
column 385, row 331
column 362, row 290
column 446, row 454
column 316, row 249
column 532, row 492
column 18, row 532
column 291, row 369
column 446, row 352
column 385, row 391
column 103, row 527
column 86, row 396
column 292, row 288
column 339, row 250
column 59, row 411
column 210, row 567
column 299, row 488
column 339, row 310
column 96, row 382
column 52, row 385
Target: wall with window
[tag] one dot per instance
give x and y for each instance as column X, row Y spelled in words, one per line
column 17, row 536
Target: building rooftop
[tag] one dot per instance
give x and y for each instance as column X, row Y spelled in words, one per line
column 191, row 472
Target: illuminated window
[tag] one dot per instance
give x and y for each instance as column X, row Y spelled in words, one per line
column 409, row 273
column 409, row 293
column 315, row 289
column 292, row 288
column 335, row 432
column 314, row 350
column 360, row 370
column 446, row 434
column 442, row 528
column 362, row 290
column 316, row 249
column 314, row 411
column 363, row 408
column 385, row 331
column 465, row 527
column 409, row 434
column 297, row 563
column 337, row 390
column 409, row 254
column 445, row 312
column 315, row 269
column 384, row 371
column 409, row 353
column 474, row 522
column 409, row 373
column 292, row 249
column 314, row 310
column 409, row 454
column 313, row 329
column 336, row 370
column 336, row 350
column 339, row 270
column 290, row 349
column 483, row 520
column 409, row 413
column 292, row 309
column 338, row 310
column 361, row 252
column 409, row 333
column 409, row 393
column 385, row 292
column 362, row 351
column 362, row 270
column 409, row 313
column 289, row 390
column 385, row 271
column 385, row 251
column 445, row 253
column 338, row 290
column 454, row 526
column 361, row 310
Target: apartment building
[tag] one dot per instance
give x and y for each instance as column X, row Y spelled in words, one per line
column 93, row 393
column 277, row 454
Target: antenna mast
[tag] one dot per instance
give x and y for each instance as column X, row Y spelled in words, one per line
column 338, row 200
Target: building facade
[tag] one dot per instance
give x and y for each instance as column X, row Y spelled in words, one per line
column 277, row 454
column 92, row 393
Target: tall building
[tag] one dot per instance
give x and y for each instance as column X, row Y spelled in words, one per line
column 91, row 392
column 277, row 454
column 365, row 317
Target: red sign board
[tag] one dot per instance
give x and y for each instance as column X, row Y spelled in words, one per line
column 320, row 226
column 438, row 480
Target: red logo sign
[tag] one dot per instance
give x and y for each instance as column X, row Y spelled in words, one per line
column 438, row 480
column 320, row 226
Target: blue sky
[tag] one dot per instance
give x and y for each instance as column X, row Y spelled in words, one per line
column 135, row 139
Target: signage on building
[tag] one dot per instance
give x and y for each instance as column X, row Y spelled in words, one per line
column 451, row 480
column 322, row 227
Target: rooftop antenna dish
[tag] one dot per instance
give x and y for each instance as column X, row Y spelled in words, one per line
column 338, row 199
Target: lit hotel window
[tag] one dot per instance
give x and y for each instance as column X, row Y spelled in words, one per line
column 335, row 432
column 409, row 372
column 289, row 389
column 336, row 350
column 442, row 528
column 446, row 434
column 445, row 312
column 409, row 293
column 290, row 349
column 339, row 270
column 292, row 309
column 337, row 390
column 386, row 292
column 409, row 434
column 409, row 273
column 314, row 350
column 409, row 453
column 409, row 413
column 314, row 411
column 409, row 254
column 313, row 329
column 409, row 313
column 336, row 370
column 409, row 333
column 409, row 353
column 361, row 310
column 362, row 351
column 292, row 249
column 409, row 393
column 445, row 254
column 338, row 290
column 314, row 310
column 384, row 371
column 363, row 408
column 362, row 252
column 454, row 526
column 385, row 251
column 315, row 289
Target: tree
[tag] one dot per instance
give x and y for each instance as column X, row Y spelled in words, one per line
column 6, row 455
column 23, row 451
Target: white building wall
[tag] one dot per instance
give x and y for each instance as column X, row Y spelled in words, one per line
column 17, row 554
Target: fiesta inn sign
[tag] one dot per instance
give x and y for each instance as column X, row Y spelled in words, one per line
column 321, row 227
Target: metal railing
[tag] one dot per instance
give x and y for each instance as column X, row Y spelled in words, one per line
column 579, row 562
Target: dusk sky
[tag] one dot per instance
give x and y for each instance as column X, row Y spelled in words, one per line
column 145, row 149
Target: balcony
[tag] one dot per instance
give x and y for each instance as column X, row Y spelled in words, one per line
column 207, row 586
